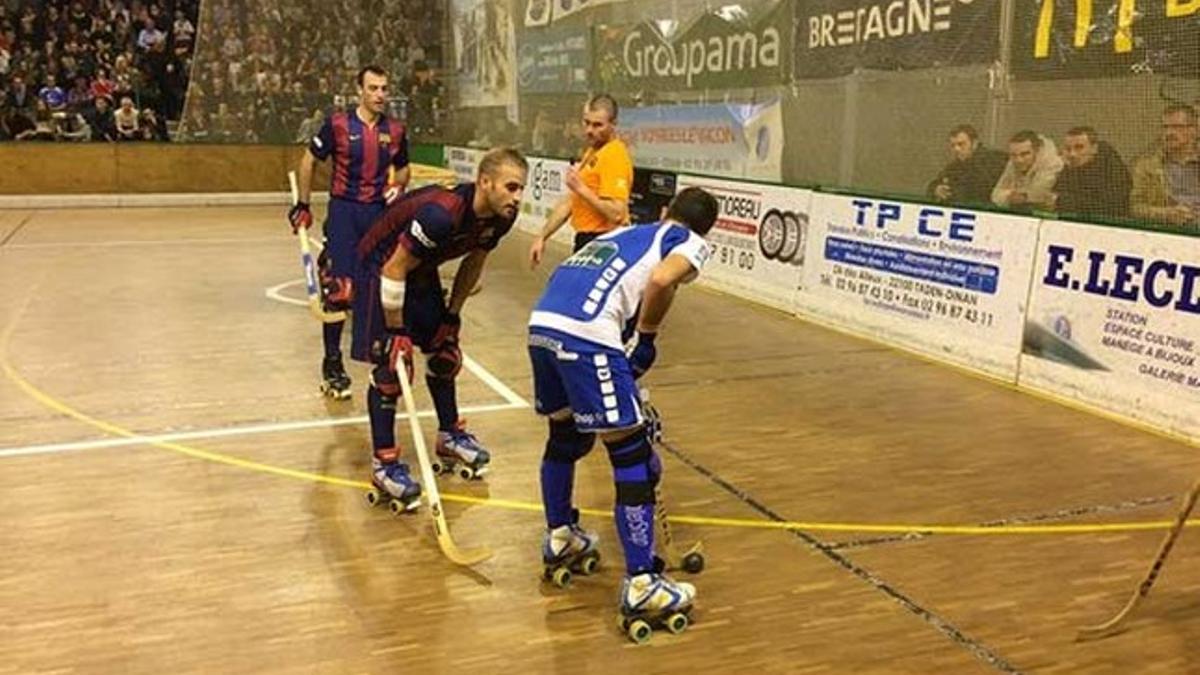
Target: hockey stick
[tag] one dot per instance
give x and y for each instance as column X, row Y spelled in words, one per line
column 691, row 561
column 310, row 268
column 1113, row 625
column 429, row 487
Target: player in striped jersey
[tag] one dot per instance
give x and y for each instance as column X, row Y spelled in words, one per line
column 370, row 169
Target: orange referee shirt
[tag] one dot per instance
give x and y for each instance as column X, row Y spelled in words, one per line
column 609, row 173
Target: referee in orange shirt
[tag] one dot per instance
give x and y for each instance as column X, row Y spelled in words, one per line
column 599, row 182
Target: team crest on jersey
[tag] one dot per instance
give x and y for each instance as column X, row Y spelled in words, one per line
column 595, row 254
column 385, row 139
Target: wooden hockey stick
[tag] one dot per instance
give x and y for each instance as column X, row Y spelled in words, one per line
column 1114, row 625
column 429, row 488
column 691, row 561
column 310, row 268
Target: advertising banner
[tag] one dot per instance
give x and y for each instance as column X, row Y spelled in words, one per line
column 463, row 162
column 553, row 60
column 485, row 52
column 726, row 49
column 1114, row 320
column 1091, row 38
column 735, row 141
column 758, row 241
column 544, row 188
column 946, row 282
column 836, row 37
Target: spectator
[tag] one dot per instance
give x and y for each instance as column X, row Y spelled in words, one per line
column 1095, row 181
column 71, row 126
column 1166, row 184
column 149, row 36
column 126, row 121
column 1028, row 179
column 19, row 124
column 43, row 121
column 53, row 95
column 19, row 97
column 972, row 172
column 100, row 119
column 153, row 128
column 424, row 93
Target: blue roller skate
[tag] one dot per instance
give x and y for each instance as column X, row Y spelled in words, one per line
column 458, row 451
column 391, row 484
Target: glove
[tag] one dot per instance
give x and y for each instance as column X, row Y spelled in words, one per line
column 643, row 354
column 300, row 217
column 448, row 330
column 446, row 360
column 386, row 354
column 392, row 192
column 654, row 425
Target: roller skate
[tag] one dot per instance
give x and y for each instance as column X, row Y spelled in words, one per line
column 336, row 384
column 458, row 451
column 652, row 600
column 569, row 550
column 391, row 485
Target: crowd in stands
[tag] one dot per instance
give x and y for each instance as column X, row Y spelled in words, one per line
column 271, row 69
column 1087, row 178
column 99, row 70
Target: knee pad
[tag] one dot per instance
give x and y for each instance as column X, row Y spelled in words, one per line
column 446, row 361
column 566, row 444
column 337, row 293
column 386, row 382
column 636, row 469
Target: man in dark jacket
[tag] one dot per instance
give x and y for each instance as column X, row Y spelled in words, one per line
column 971, row 174
column 1095, row 181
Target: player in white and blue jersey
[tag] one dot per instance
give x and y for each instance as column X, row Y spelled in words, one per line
column 586, row 385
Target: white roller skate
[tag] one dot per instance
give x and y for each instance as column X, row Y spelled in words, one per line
column 569, row 550
column 458, row 451
column 652, row 600
column 335, row 382
column 391, row 484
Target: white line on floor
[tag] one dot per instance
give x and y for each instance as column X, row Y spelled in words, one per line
column 228, row 431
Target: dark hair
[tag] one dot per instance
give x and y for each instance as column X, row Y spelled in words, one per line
column 965, row 129
column 604, row 102
column 372, row 69
column 498, row 157
column 1027, row 135
column 1184, row 108
column 1091, row 134
column 695, row 208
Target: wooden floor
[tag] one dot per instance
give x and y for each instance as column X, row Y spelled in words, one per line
column 200, row 552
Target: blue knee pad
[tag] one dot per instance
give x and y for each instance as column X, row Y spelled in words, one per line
column 566, row 444
column 636, row 469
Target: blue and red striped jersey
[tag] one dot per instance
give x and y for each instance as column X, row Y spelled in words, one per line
column 435, row 224
column 361, row 154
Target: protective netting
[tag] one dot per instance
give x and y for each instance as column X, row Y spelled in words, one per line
column 926, row 99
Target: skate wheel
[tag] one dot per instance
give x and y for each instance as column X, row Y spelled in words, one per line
column 693, row 563
column 397, row 507
column 373, row 497
column 639, row 631
column 561, row 577
column 437, row 467
column 466, row 473
column 677, row 623
column 589, row 564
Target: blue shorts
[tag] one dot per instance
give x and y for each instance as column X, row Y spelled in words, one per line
column 345, row 225
column 424, row 309
column 594, row 382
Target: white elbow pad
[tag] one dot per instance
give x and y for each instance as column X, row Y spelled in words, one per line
column 391, row 293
